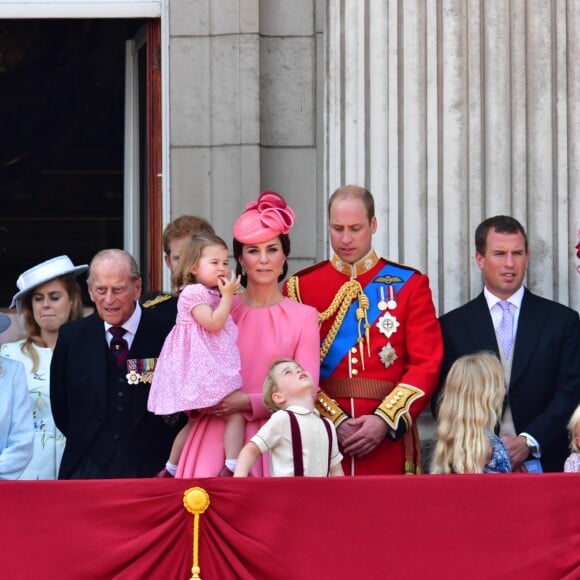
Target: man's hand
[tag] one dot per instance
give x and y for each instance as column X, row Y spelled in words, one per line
column 362, row 435
column 344, row 431
column 518, row 451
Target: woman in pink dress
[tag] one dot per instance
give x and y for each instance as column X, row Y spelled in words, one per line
column 270, row 327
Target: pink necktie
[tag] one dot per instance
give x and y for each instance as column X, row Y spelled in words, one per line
column 505, row 330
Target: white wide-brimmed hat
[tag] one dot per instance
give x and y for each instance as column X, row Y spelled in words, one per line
column 4, row 321
column 44, row 272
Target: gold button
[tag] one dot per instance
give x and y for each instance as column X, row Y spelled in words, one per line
column 400, row 393
column 389, row 406
column 354, row 360
column 353, row 350
column 354, row 372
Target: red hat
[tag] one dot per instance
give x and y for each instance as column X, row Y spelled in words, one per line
column 264, row 219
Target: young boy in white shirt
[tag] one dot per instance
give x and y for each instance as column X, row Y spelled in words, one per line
column 299, row 440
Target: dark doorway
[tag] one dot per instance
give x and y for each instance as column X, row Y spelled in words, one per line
column 62, row 99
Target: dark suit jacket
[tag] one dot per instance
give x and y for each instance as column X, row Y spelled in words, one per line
column 545, row 379
column 78, row 393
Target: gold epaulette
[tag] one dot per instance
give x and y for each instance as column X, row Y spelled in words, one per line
column 330, row 409
column 157, row 300
column 396, row 405
column 293, row 289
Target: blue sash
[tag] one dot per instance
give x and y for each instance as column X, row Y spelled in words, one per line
column 347, row 335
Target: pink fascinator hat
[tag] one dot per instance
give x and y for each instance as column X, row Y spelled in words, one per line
column 264, row 219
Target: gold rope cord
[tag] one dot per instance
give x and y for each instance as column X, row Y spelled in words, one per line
column 292, row 289
column 340, row 304
column 195, row 501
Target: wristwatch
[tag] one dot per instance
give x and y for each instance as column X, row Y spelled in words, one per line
column 533, row 448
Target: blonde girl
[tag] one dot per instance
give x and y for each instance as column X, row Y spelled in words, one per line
column 471, row 406
column 573, row 462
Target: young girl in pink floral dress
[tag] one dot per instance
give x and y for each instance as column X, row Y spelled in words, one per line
column 199, row 363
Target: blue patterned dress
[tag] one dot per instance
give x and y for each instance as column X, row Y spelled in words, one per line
column 500, row 460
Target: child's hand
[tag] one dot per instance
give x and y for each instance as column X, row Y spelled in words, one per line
column 229, row 285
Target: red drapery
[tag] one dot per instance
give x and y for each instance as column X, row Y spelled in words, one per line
column 476, row 527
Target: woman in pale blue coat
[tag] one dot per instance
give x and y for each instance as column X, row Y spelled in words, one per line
column 16, row 422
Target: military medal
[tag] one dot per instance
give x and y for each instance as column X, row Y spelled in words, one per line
column 388, row 355
column 388, row 324
column 382, row 304
column 140, row 370
column 392, row 303
column 133, row 377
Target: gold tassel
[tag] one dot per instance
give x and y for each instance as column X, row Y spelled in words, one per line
column 365, row 304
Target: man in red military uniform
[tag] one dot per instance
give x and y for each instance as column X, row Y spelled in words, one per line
column 381, row 344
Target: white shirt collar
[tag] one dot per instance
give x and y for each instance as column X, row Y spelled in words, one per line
column 515, row 299
column 300, row 410
column 130, row 325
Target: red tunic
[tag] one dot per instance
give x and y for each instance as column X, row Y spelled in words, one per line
column 411, row 362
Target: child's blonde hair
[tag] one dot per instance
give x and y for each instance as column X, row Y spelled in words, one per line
column 574, row 428
column 190, row 255
column 472, row 403
column 270, row 384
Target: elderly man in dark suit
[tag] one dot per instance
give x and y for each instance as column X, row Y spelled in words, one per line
column 100, row 377
column 537, row 341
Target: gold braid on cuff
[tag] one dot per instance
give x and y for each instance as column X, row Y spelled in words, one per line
column 396, row 406
column 330, row 409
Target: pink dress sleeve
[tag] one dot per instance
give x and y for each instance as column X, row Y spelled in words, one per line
column 193, row 295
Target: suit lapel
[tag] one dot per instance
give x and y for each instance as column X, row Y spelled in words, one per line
column 97, row 355
column 480, row 326
column 142, row 347
column 141, row 341
column 531, row 323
